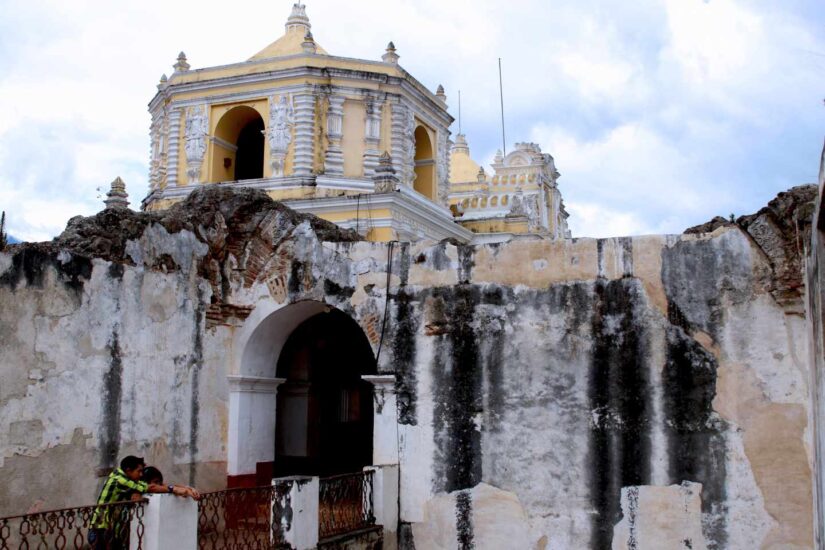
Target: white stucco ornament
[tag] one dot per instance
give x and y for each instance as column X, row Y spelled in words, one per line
column 195, row 133
column 279, row 133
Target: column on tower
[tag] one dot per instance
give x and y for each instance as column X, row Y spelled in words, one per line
column 334, row 160
column 372, row 135
column 401, row 142
column 304, row 133
column 174, row 147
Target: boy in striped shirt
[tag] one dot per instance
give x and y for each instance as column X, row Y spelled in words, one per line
column 108, row 530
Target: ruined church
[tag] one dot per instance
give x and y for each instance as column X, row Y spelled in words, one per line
column 322, row 282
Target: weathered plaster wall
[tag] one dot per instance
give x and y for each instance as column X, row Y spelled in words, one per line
column 603, row 392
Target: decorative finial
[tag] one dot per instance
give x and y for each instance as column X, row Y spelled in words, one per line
column 163, row 82
column 439, row 93
column 181, row 65
column 482, row 175
column 499, row 158
column 117, row 196
column 308, row 44
column 384, row 178
column 390, row 56
column 298, row 19
column 460, row 145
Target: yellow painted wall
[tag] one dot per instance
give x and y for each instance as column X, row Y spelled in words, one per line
column 352, row 142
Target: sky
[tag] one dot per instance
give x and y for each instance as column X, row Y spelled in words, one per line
column 660, row 114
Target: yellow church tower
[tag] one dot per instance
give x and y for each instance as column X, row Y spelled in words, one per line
column 357, row 142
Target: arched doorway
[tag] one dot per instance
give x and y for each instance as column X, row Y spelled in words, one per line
column 424, row 164
column 324, row 419
column 238, row 145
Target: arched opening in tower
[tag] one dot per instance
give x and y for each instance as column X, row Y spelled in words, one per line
column 424, row 181
column 249, row 163
column 238, row 145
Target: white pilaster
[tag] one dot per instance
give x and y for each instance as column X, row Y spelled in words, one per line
column 174, row 147
column 252, row 406
column 385, row 419
column 168, row 522
column 334, row 161
column 385, row 500
column 304, row 133
column 401, row 143
column 372, row 136
column 301, row 533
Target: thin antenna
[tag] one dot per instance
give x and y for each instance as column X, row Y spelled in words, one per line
column 501, row 95
column 459, row 111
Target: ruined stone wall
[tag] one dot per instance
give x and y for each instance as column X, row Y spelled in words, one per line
column 647, row 392
column 815, row 287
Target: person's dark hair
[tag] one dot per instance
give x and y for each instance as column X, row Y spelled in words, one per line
column 152, row 475
column 131, row 462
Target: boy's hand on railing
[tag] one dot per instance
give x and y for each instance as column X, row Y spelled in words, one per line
column 186, row 491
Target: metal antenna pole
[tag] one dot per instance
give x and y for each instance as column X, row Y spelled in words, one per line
column 501, row 95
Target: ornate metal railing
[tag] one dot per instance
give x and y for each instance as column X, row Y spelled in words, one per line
column 70, row 528
column 242, row 518
column 345, row 504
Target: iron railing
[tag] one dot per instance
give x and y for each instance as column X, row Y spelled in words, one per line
column 242, row 518
column 70, row 527
column 345, row 504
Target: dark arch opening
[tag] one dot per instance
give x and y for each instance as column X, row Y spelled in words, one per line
column 249, row 159
column 324, row 420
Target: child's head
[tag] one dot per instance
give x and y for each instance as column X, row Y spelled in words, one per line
column 152, row 475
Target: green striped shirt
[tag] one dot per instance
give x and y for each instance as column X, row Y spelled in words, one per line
column 118, row 487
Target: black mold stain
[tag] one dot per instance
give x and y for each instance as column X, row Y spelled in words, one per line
column 405, row 536
column 620, row 402
column 695, row 436
column 466, row 263
column 600, row 257
column 626, row 244
column 404, row 354
column 404, row 261
column 333, row 289
column 111, row 405
column 696, row 276
column 457, row 383
column 296, row 277
column 195, row 364
column 30, row 265
column 439, row 256
column 464, row 520
column 115, row 271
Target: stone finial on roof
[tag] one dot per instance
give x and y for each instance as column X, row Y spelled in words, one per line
column 385, row 179
column 482, row 175
column 298, row 18
column 163, row 81
column 439, row 93
column 499, row 158
column 117, row 196
column 308, row 45
column 460, row 145
column 390, row 56
column 181, row 65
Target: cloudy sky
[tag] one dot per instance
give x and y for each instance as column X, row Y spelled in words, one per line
column 660, row 113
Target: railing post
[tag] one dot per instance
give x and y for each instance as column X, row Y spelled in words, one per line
column 385, row 419
column 168, row 522
column 385, row 501
column 299, row 507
